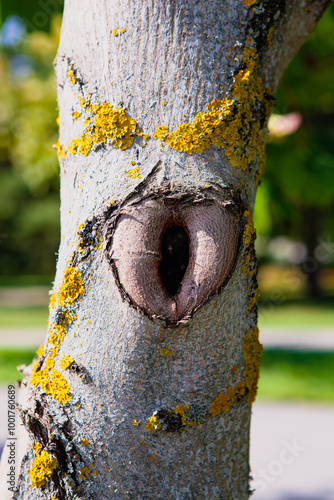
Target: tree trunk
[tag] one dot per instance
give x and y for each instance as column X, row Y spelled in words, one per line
column 145, row 384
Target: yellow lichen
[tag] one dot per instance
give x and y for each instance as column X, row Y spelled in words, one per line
column 115, row 32
column 223, row 402
column 109, row 125
column 84, row 471
column 42, row 469
column 248, row 268
column 153, row 424
column 51, row 382
column 180, row 410
column 270, row 36
column 249, row 230
column 71, row 75
column 123, row 30
column 76, row 115
column 253, row 295
column 132, row 163
column 38, row 448
column 40, row 351
column 249, row 3
column 71, row 288
column 166, row 352
column 133, row 173
column 228, row 124
column 134, row 422
column 252, row 350
column 61, row 152
column 161, row 133
column 66, row 361
column 49, row 362
column 49, row 379
column 84, row 442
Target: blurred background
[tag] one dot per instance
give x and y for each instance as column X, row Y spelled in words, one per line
column 294, row 216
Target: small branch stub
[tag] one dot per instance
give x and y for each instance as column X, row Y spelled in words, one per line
column 170, row 256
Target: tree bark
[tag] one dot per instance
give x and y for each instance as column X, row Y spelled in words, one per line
column 140, row 391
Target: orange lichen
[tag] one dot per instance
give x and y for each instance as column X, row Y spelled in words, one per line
column 252, row 350
column 84, row 442
column 223, row 402
column 84, row 471
column 180, row 410
column 166, row 352
column 108, row 126
column 42, row 468
column 249, row 230
column 249, row 3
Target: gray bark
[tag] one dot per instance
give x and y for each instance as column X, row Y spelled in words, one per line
column 161, row 386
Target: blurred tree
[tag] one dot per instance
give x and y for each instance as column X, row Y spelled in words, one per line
column 29, row 184
column 298, row 188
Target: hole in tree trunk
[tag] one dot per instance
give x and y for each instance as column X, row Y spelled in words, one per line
column 175, row 258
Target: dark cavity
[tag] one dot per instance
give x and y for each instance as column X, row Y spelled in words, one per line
column 175, row 258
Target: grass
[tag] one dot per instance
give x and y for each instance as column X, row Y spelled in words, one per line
column 23, row 317
column 297, row 314
column 9, row 360
column 297, row 375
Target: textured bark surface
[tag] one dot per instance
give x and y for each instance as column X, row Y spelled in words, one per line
column 139, row 394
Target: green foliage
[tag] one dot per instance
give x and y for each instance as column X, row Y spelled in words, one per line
column 36, row 14
column 298, row 314
column 300, row 168
column 298, row 375
column 29, row 183
column 23, row 317
column 9, row 360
